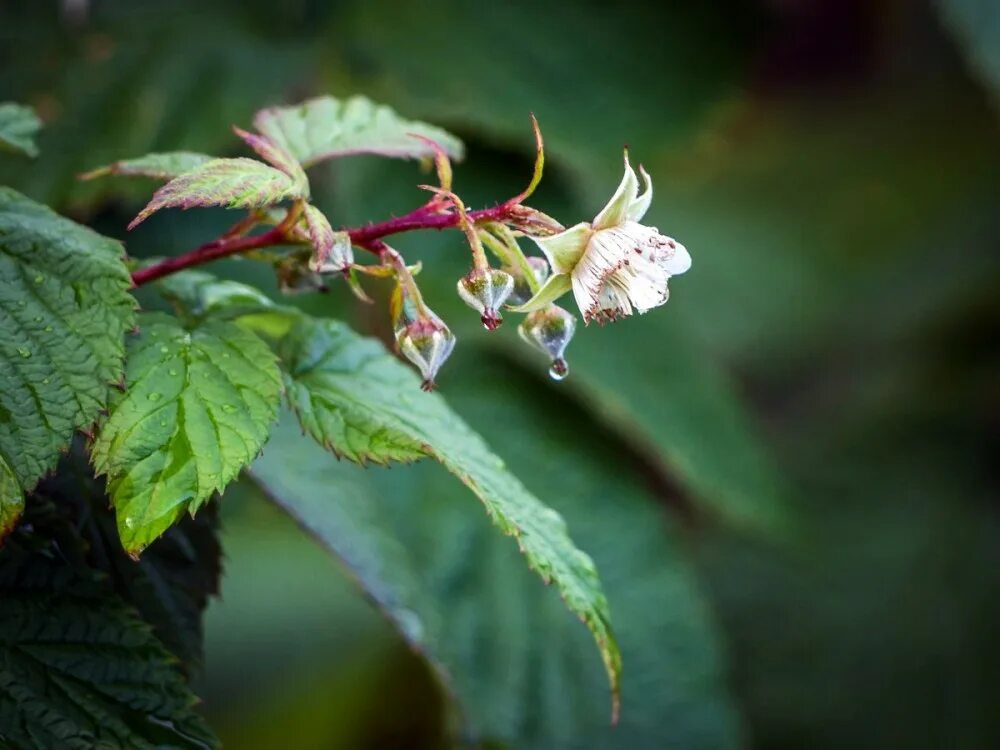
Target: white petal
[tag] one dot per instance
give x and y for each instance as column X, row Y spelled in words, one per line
column 640, row 205
column 677, row 259
column 645, row 284
column 605, row 302
column 587, row 297
column 565, row 249
column 616, row 211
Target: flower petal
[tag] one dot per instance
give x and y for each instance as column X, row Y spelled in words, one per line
column 565, row 249
column 616, row 211
column 553, row 289
column 640, row 205
column 678, row 261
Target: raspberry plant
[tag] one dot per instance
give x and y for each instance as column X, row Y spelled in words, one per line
column 171, row 408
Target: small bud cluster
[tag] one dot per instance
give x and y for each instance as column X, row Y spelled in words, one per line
column 614, row 265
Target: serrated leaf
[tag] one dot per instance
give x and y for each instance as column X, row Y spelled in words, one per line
column 277, row 156
column 522, row 672
column 64, row 310
column 18, row 125
column 360, row 402
column 326, row 127
column 78, row 668
column 234, row 183
column 158, row 166
column 197, row 408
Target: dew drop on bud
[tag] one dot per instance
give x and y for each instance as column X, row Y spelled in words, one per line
column 491, row 320
column 559, row 369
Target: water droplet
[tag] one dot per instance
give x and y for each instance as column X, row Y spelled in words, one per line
column 559, row 369
column 172, row 371
column 164, row 350
column 24, row 352
column 163, row 423
column 228, row 408
column 154, row 396
column 39, row 279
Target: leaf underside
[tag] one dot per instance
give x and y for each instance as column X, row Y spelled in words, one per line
column 197, row 409
column 361, row 403
column 234, row 183
column 164, row 166
column 64, row 310
column 325, row 127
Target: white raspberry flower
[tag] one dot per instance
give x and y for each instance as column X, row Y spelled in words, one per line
column 614, row 264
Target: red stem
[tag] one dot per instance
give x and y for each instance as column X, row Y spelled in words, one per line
column 368, row 237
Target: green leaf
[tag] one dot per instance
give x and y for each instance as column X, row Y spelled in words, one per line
column 11, row 499
column 158, row 166
column 540, row 46
column 18, row 125
column 78, row 668
column 325, row 127
column 64, row 310
column 197, row 408
column 360, row 402
column 198, row 294
column 234, row 183
column 683, row 404
column 522, row 672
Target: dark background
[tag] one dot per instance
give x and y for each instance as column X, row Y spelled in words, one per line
column 784, row 475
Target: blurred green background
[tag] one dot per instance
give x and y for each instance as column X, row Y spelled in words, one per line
column 785, row 475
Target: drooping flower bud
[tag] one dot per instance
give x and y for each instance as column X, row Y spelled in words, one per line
column 421, row 336
column 549, row 330
column 427, row 343
column 522, row 288
column 486, row 291
column 332, row 254
column 295, row 277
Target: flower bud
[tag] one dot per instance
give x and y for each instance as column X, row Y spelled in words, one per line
column 486, row 291
column 549, row 330
column 522, row 289
column 333, row 255
column 294, row 277
column 426, row 342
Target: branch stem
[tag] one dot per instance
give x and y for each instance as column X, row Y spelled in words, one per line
column 368, row 237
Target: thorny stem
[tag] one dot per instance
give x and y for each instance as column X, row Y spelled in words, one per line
column 368, row 237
